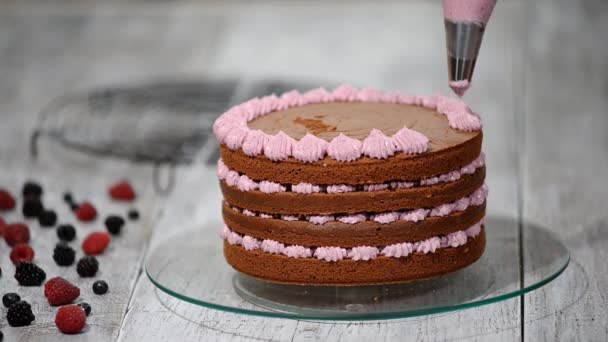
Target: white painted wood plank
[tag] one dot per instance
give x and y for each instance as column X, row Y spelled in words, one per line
column 566, row 162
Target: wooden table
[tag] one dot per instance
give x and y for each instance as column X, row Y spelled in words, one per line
column 540, row 87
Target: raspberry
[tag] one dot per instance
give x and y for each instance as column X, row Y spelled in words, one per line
column 86, row 307
column 66, row 232
column 28, row 274
column 20, row 314
column 59, row 291
column 122, row 191
column 87, row 266
column 7, row 201
column 47, row 218
column 114, row 224
column 133, row 214
column 10, row 298
column 32, row 207
column 32, row 190
column 100, row 287
column 63, row 254
column 21, row 252
column 16, row 233
column 2, row 226
column 96, row 243
column 70, row 319
column 86, row 212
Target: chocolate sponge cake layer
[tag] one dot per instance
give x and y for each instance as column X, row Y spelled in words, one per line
column 345, row 235
column 381, row 270
column 361, row 171
column 354, row 202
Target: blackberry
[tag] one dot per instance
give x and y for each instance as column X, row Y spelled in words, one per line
column 114, row 224
column 74, row 206
column 67, row 197
column 133, row 214
column 87, row 266
column 20, row 314
column 28, row 274
column 47, row 218
column 10, row 298
column 100, row 287
column 66, row 232
column 63, row 254
column 32, row 190
column 32, row 207
column 86, row 307
column 1, row 336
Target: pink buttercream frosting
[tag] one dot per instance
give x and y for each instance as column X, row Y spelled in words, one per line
column 352, row 219
column 279, row 146
column 477, row 11
column 339, row 188
column 320, row 219
column 363, row 253
column 344, row 149
column 271, row 187
column 378, row 146
column 246, row 184
column 305, row 188
column 331, row 254
column 231, row 128
column 253, row 144
column 386, row 217
column 310, row 148
column 460, row 87
column 410, row 142
column 222, row 169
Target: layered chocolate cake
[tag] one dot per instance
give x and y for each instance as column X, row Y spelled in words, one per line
column 351, row 187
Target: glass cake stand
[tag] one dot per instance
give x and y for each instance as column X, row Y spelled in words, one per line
column 191, row 267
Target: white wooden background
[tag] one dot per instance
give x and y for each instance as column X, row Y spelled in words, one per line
column 541, row 87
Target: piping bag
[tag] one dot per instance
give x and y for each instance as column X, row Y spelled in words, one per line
column 465, row 22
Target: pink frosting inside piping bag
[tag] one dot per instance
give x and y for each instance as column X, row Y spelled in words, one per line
column 478, row 11
column 460, row 87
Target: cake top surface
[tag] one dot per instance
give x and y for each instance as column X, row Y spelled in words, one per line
column 345, row 124
column 357, row 119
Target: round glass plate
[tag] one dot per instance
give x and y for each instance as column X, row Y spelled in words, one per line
column 191, row 267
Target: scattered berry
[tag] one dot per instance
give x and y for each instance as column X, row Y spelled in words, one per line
column 2, row 226
column 86, row 307
column 70, row 319
column 10, row 298
column 32, row 207
column 122, row 191
column 32, row 190
column 96, row 243
column 47, row 218
column 100, row 287
column 86, row 212
column 16, row 233
column 67, row 197
column 7, row 201
column 59, row 291
column 133, row 214
column 114, row 224
column 22, row 252
column 20, row 314
column 1, row 336
column 63, row 254
column 74, row 206
column 66, row 232
column 28, row 274
column 87, row 266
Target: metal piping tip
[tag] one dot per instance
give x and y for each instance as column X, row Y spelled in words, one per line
column 463, row 40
